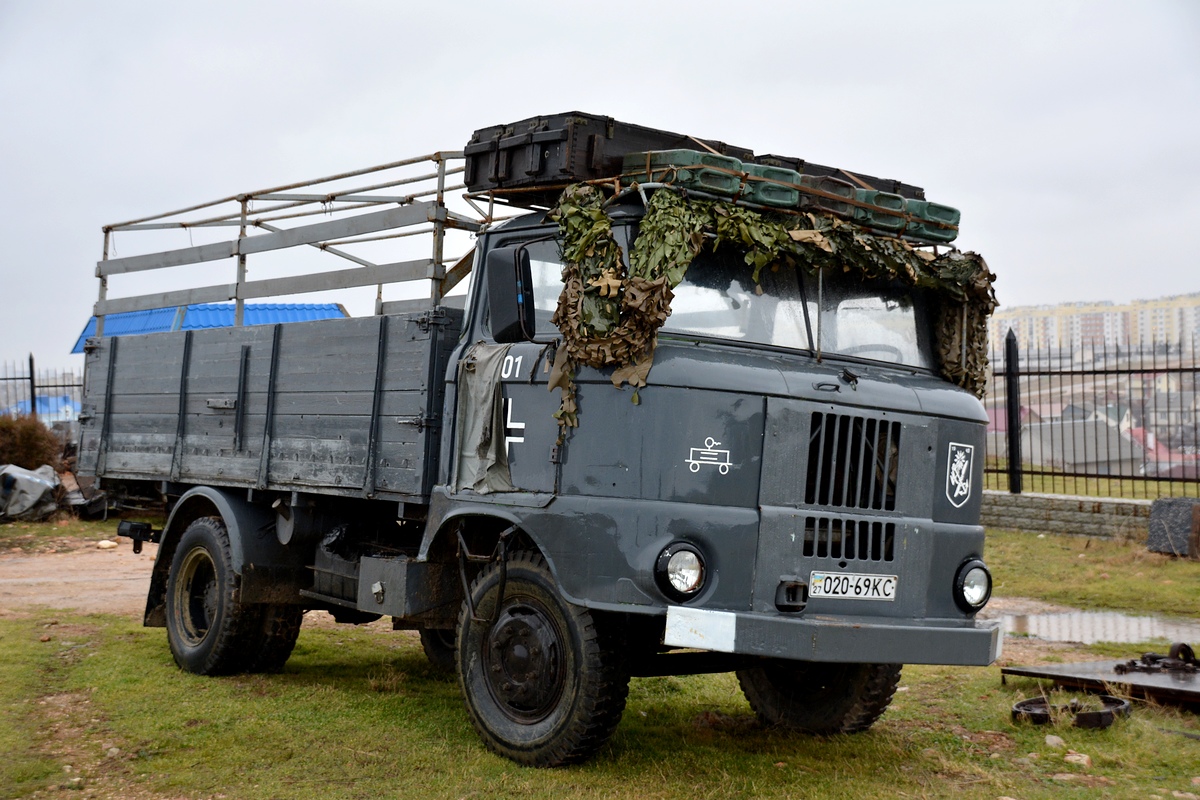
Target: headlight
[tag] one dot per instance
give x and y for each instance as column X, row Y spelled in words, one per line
column 972, row 586
column 680, row 571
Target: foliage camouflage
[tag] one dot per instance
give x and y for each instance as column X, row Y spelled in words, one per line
column 611, row 308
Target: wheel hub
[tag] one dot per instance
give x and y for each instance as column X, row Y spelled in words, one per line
column 523, row 661
column 197, row 596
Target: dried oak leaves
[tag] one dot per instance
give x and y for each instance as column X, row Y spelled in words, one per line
column 611, row 307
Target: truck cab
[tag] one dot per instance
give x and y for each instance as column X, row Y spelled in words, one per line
column 789, row 438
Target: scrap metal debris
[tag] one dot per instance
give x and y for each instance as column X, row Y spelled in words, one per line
column 1173, row 678
column 1181, row 658
column 1041, row 711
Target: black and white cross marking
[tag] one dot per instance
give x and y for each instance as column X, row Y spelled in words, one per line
column 513, row 431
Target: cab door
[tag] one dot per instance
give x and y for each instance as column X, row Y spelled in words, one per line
column 530, row 429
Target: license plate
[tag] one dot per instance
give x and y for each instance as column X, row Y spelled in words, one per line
column 852, row 586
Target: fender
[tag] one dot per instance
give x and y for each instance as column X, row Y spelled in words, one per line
column 267, row 571
column 444, row 512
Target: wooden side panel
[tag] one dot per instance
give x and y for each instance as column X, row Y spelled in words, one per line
column 327, row 423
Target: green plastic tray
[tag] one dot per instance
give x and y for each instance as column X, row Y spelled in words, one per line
column 764, row 186
column 830, row 186
column 923, row 212
column 888, row 214
column 690, row 169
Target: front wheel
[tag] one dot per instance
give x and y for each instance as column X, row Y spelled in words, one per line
column 821, row 698
column 544, row 683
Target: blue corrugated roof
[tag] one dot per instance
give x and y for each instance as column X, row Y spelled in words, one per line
column 208, row 315
column 52, row 408
column 220, row 315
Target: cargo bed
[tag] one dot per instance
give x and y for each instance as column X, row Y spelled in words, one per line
column 345, row 407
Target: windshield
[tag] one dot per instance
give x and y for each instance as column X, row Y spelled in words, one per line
column 717, row 298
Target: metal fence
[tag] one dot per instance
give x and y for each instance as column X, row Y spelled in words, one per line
column 1119, row 421
column 53, row 395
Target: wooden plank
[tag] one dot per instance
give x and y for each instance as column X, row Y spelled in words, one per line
column 306, row 234
column 350, row 431
column 182, row 297
column 157, row 464
column 414, row 214
column 141, row 423
column 143, row 442
column 169, row 258
column 398, row 479
column 317, row 462
column 420, row 269
column 211, row 468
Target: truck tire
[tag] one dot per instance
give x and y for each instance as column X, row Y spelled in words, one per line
column 438, row 644
column 820, row 698
column 208, row 629
column 276, row 637
column 544, row 685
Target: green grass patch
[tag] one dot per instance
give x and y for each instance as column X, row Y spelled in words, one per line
column 26, row 668
column 1093, row 574
column 359, row 714
column 61, row 532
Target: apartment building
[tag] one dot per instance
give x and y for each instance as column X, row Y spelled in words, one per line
column 1071, row 326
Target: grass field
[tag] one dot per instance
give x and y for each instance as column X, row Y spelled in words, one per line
column 1094, row 574
column 358, row 713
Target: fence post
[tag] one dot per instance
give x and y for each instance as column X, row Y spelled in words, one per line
column 32, row 389
column 1012, row 407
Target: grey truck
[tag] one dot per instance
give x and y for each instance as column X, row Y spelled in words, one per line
column 794, row 495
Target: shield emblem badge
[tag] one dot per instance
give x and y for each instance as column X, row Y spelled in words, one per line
column 958, row 473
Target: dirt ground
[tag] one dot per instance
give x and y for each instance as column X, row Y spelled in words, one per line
column 75, row 575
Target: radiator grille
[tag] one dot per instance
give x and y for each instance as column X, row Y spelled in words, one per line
column 853, row 462
column 849, row 539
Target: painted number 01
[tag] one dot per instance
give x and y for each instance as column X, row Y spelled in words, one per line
column 512, row 367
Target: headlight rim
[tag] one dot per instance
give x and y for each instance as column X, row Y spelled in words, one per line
column 960, row 580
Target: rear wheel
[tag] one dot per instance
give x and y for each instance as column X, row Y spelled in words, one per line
column 275, row 637
column 438, row 644
column 207, row 628
column 821, row 698
column 544, row 684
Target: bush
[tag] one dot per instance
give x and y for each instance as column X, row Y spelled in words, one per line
column 28, row 443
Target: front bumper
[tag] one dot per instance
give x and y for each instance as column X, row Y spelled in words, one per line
column 843, row 639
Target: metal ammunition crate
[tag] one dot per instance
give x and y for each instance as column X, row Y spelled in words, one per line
column 530, row 161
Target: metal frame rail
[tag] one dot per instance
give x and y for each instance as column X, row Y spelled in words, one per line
column 264, row 219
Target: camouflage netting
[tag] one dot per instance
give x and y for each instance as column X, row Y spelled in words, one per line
column 612, row 307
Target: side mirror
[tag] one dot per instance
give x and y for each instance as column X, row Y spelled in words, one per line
column 510, row 294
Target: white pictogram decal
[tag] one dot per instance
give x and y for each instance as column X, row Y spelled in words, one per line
column 513, row 431
column 958, row 473
column 707, row 455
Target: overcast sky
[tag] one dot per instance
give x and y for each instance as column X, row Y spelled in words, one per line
column 1068, row 133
